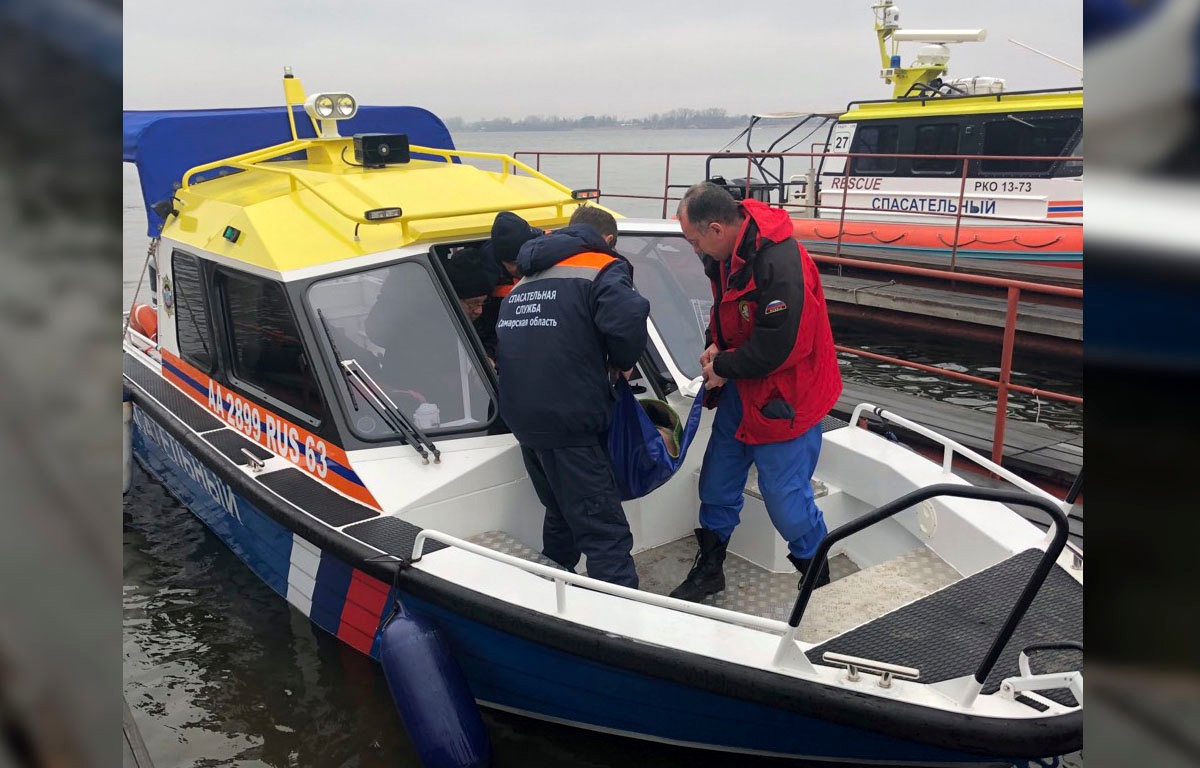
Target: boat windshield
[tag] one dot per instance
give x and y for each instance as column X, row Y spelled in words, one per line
column 669, row 274
column 398, row 326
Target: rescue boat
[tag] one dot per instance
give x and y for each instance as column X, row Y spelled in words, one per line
column 950, row 634
column 1018, row 198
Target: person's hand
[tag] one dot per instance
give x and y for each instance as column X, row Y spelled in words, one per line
column 706, row 357
column 712, row 379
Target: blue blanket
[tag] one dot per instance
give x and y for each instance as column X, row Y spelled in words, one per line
column 640, row 459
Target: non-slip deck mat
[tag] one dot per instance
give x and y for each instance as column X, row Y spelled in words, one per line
column 230, row 444
column 832, row 422
column 946, row 634
column 172, row 399
column 394, row 536
column 502, row 542
column 316, row 499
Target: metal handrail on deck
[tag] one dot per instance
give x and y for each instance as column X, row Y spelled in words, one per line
column 1058, row 540
column 951, row 448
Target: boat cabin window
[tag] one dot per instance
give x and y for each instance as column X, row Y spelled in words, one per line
column 1026, row 134
column 936, row 139
column 400, row 328
column 875, row 138
column 667, row 272
column 193, row 332
column 268, row 355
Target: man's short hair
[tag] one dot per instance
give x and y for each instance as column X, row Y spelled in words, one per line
column 707, row 202
column 598, row 219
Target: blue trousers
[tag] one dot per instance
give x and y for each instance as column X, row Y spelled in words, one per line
column 785, row 473
column 583, row 511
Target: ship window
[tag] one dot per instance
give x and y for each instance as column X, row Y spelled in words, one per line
column 1023, row 134
column 1072, row 167
column 400, row 328
column 881, row 139
column 936, row 139
column 268, row 353
column 192, row 330
column 668, row 274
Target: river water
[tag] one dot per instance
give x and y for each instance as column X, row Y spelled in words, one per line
column 220, row 671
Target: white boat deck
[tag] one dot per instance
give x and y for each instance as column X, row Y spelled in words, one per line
column 853, row 597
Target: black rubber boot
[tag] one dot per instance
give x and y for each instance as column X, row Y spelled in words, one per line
column 707, row 576
column 804, row 563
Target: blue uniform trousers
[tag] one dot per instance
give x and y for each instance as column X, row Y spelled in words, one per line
column 583, row 511
column 784, row 478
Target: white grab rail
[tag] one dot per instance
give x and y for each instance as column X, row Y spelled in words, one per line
column 562, row 578
column 951, row 448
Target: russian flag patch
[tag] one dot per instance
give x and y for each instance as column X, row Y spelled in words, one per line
column 774, row 306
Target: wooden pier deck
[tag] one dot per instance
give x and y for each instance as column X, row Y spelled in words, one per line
column 889, row 294
column 1032, row 450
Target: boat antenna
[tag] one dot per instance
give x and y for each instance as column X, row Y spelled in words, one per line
column 1048, row 56
column 933, row 58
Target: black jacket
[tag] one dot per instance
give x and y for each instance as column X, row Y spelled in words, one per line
column 573, row 315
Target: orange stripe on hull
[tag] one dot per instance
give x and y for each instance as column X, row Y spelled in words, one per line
column 310, row 453
column 1052, row 238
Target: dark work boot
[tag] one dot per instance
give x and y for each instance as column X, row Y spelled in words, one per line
column 804, row 563
column 706, row 576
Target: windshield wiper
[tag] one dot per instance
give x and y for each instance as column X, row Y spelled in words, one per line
column 336, row 354
column 372, row 393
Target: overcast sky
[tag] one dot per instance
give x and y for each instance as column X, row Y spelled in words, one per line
column 629, row 58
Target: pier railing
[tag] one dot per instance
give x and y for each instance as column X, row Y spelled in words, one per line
column 776, row 188
column 1003, row 384
column 754, row 161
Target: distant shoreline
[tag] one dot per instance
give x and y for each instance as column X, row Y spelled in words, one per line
column 678, row 119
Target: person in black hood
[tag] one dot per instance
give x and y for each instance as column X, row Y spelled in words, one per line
column 573, row 317
column 499, row 256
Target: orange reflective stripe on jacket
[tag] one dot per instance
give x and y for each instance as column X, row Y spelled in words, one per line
column 588, row 259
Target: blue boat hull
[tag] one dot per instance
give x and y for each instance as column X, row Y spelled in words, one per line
column 515, row 673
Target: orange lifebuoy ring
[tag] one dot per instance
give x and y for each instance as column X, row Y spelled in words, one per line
column 144, row 320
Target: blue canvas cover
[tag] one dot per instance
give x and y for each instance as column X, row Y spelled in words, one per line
column 639, row 456
column 165, row 144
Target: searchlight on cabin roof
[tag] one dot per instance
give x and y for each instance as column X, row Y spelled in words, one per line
column 327, row 109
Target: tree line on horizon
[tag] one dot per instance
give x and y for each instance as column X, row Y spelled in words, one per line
column 713, row 117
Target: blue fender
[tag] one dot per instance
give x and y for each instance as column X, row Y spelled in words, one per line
column 431, row 694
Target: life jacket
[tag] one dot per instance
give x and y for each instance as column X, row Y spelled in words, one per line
column 808, row 379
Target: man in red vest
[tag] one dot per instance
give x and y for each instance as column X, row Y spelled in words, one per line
column 771, row 371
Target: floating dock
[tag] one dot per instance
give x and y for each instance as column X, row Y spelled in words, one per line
column 1031, row 450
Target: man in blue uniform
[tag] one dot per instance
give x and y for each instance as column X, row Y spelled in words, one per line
column 572, row 319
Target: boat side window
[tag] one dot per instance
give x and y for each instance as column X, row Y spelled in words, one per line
column 400, row 328
column 1071, row 167
column 936, row 139
column 1025, row 134
column 268, row 353
column 876, row 139
column 193, row 329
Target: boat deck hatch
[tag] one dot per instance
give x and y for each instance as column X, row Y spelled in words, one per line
column 947, row 634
